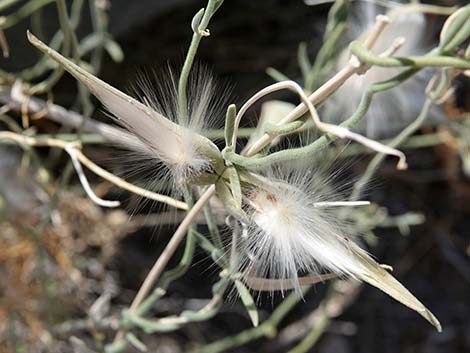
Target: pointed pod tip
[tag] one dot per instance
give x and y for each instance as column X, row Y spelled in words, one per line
column 30, row 36
column 33, row 39
column 376, row 276
column 432, row 320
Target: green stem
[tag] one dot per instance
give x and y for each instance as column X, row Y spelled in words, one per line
column 212, row 226
column 99, row 22
column 276, row 75
column 430, row 60
column 420, row 141
column 230, row 117
column 198, row 33
column 303, row 60
column 44, row 63
column 23, row 12
column 50, row 82
column 254, row 163
column 69, row 35
column 379, row 158
column 458, row 31
column 5, row 4
column 402, row 137
column 309, row 341
column 220, row 134
column 170, row 275
column 266, row 329
column 323, row 55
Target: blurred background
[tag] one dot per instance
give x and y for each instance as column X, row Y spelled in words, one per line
column 62, row 274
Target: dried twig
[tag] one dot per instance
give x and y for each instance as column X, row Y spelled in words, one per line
column 31, row 141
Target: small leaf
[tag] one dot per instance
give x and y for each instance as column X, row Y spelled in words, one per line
column 135, row 342
column 197, row 20
column 248, row 301
column 456, row 29
column 271, row 113
column 114, row 50
column 235, row 186
column 225, row 195
column 230, row 123
column 303, row 60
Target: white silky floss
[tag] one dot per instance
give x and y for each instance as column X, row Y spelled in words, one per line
column 291, row 234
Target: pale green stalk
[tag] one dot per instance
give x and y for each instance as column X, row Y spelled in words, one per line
column 199, row 31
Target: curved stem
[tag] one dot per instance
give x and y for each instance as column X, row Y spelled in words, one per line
column 170, row 249
column 200, row 30
column 379, row 158
column 23, row 12
column 429, row 60
column 323, row 141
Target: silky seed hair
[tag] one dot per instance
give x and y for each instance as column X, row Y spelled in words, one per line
column 289, row 235
column 179, row 151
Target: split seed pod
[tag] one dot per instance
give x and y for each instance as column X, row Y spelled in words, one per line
column 188, row 155
column 294, row 231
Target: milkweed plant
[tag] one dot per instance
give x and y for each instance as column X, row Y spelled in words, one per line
column 285, row 226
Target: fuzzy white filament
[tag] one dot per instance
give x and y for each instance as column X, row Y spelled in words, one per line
column 341, row 204
column 293, row 231
column 289, row 235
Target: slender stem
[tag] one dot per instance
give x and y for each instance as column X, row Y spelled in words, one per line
column 270, row 284
column 314, row 147
column 212, row 226
column 23, row 12
column 70, row 149
column 334, row 130
column 31, row 141
column 315, row 333
column 5, row 4
column 98, row 20
column 267, row 329
column 276, row 75
column 170, row 249
column 315, row 98
column 198, row 33
column 338, row 297
column 323, row 54
column 4, row 44
column 354, row 66
column 43, row 64
column 68, row 44
column 69, row 36
column 303, row 60
column 379, row 158
column 429, row 60
column 174, row 273
column 419, row 141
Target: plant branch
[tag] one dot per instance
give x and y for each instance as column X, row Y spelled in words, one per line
column 199, row 26
column 170, row 249
column 323, row 92
column 31, row 141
